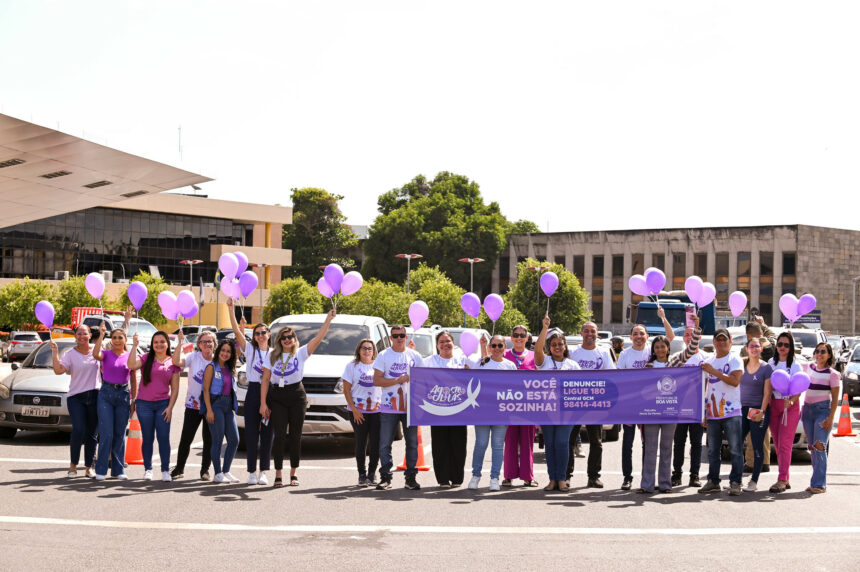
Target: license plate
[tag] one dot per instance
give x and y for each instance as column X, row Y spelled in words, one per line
column 31, row 411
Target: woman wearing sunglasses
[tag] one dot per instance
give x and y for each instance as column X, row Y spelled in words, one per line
column 784, row 411
column 493, row 435
column 556, row 437
column 519, row 439
column 258, row 430
column 282, row 388
column 363, row 398
column 819, row 410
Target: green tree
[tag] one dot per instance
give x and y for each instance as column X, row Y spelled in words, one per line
column 568, row 307
column 292, row 296
column 73, row 294
column 444, row 219
column 523, row 227
column 504, row 325
column 150, row 311
column 319, row 234
column 376, row 298
column 18, row 302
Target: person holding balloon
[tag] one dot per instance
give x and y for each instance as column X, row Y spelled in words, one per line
column 115, row 402
column 281, row 389
column 551, row 353
column 258, row 430
column 784, row 407
column 520, row 439
column 819, row 411
column 755, row 401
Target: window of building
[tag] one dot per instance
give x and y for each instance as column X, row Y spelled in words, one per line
column 597, row 287
column 618, row 266
column 700, row 265
column 679, row 270
column 765, row 286
column 579, row 268
column 504, row 272
column 744, row 272
column 560, row 259
column 722, row 277
column 789, row 280
column 616, row 308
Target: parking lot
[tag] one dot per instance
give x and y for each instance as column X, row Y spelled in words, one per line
column 53, row 522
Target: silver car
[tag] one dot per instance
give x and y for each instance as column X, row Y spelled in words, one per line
column 33, row 397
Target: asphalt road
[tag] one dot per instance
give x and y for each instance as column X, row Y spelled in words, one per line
column 51, row 522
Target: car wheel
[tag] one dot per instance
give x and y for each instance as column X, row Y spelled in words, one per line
column 7, row 432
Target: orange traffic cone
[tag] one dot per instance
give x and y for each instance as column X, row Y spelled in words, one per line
column 133, row 451
column 421, row 465
column 844, row 428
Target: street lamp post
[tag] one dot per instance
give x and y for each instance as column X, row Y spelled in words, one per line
column 190, row 264
column 854, row 305
column 409, row 258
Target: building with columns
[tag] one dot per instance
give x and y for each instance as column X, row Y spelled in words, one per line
column 763, row 262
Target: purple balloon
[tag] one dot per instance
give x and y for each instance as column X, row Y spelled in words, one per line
column 468, row 342
column 324, row 288
column 693, row 287
column 708, row 294
column 418, row 314
column 333, row 274
column 185, row 300
column 471, row 304
column 137, row 293
column 95, row 284
column 780, row 380
column 167, row 303
column 638, row 285
column 737, row 303
column 806, row 304
column 243, row 262
column 655, row 279
column 352, row 283
column 788, row 306
column 549, row 283
column 798, row 383
column 229, row 264
column 248, row 283
column 191, row 312
column 493, row 306
column 45, row 313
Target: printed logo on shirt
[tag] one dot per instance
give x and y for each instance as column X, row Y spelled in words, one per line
column 638, row 363
column 365, row 379
column 287, row 369
column 591, row 364
column 399, row 368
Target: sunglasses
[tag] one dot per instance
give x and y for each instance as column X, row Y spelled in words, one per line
column 497, row 346
column 561, row 345
column 288, row 337
column 519, row 335
column 398, row 336
column 821, row 351
column 367, row 349
column 783, row 345
column 261, row 332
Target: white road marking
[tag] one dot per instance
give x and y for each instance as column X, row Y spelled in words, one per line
column 519, row 530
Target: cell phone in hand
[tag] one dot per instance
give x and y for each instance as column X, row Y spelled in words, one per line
column 690, row 314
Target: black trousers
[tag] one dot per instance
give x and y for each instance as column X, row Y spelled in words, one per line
column 258, row 436
column 190, row 423
column 595, row 450
column 449, row 453
column 696, row 432
column 366, row 443
column 288, row 405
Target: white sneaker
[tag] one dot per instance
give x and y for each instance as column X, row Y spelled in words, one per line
column 122, row 477
column 494, row 485
column 252, row 479
column 262, row 479
column 473, row 484
column 751, row 487
column 165, row 476
column 101, row 477
column 220, row 478
column 231, row 478
column 147, row 475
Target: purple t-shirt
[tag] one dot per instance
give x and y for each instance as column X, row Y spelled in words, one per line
column 158, row 387
column 115, row 368
column 526, row 360
column 83, row 370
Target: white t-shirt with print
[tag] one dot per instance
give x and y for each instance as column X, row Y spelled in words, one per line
column 196, row 363
column 392, row 364
column 365, row 395
column 255, row 360
column 633, row 359
column 597, row 358
column 492, row 364
column 566, row 364
column 697, row 359
column 288, row 369
column 721, row 399
column 457, row 361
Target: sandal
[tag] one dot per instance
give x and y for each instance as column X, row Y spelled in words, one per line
column 778, row 487
column 816, row 490
column 279, row 482
column 563, row 487
column 530, row 483
column 666, row 491
column 644, row 492
column 552, row 486
column 507, row 483
column 294, row 481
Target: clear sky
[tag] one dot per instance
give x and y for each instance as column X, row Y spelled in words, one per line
column 576, row 115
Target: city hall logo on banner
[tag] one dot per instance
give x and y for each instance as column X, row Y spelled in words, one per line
column 445, row 401
column 667, row 385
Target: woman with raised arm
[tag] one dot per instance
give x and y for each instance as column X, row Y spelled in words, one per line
column 196, row 362
column 281, row 386
column 115, row 402
column 82, row 398
column 258, row 430
column 156, row 396
column 219, row 406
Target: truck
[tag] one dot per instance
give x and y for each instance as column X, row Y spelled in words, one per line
column 675, row 304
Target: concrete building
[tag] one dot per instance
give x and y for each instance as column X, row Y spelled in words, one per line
column 763, row 262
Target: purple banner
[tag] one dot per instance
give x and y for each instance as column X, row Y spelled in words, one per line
column 524, row 397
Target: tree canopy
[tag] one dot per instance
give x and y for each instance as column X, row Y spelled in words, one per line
column 150, row 311
column 568, row 306
column 18, row 302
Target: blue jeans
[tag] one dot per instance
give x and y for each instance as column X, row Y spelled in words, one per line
column 732, row 428
column 224, row 426
column 387, row 425
column 556, row 439
column 84, row 411
column 482, row 439
column 812, row 416
column 113, row 404
column 628, row 436
column 757, row 432
column 152, row 425
column 258, row 437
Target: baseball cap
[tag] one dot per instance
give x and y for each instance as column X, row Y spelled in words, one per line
column 722, row 332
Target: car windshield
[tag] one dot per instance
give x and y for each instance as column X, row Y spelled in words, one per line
column 34, row 337
column 42, row 358
column 341, row 339
column 677, row 316
column 423, row 344
column 808, row 339
column 142, row 329
column 856, row 355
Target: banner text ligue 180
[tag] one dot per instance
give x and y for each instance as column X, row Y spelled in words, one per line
column 555, row 397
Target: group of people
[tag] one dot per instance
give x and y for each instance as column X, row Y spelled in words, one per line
column 739, row 402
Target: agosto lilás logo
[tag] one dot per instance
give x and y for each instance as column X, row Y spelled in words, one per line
column 445, row 401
